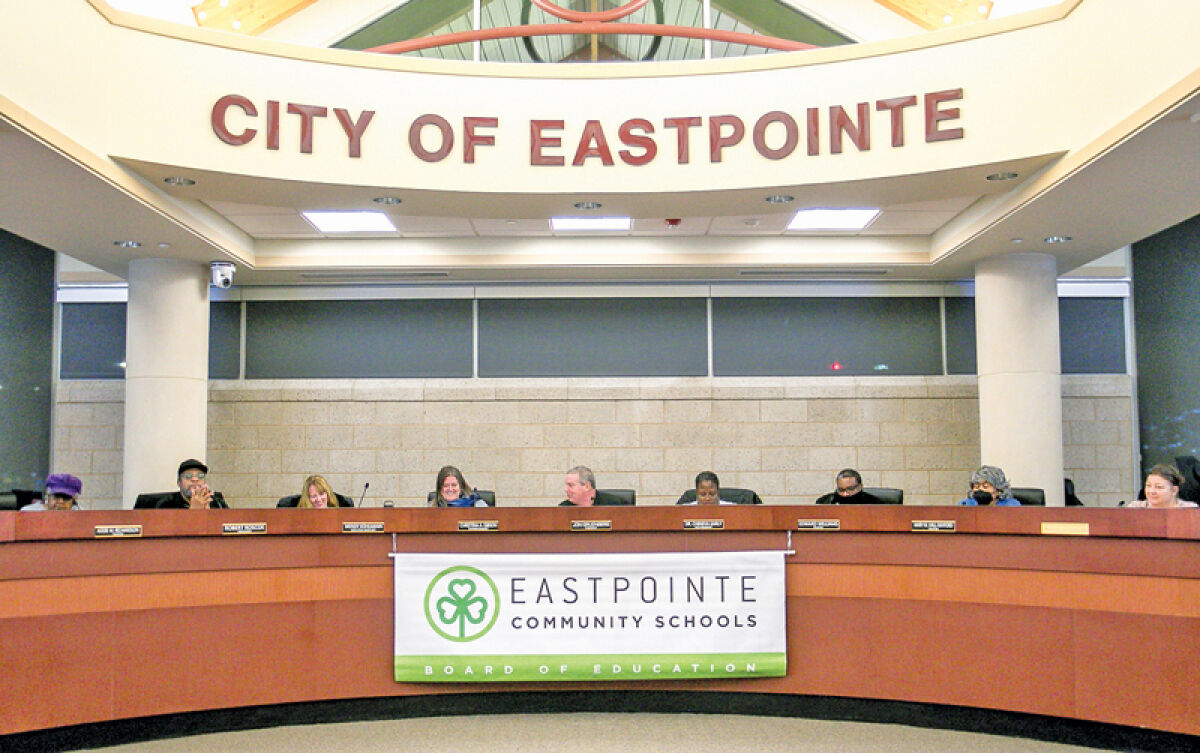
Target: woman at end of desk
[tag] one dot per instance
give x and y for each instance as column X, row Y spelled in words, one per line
column 1162, row 489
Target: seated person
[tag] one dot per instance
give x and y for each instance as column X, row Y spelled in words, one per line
column 1161, row 488
column 581, row 490
column 848, row 490
column 708, row 490
column 452, row 490
column 990, row 487
column 317, row 493
column 62, row 493
column 194, row 492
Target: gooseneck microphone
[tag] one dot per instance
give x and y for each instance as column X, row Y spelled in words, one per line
column 364, row 494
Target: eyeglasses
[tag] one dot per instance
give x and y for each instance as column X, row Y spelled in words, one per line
column 849, row 490
column 192, row 477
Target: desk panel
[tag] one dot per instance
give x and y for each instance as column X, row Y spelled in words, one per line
column 995, row 616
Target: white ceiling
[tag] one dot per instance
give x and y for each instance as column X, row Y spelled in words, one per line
column 1143, row 184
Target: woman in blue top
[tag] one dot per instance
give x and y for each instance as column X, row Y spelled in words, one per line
column 990, row 487
column 454, row 491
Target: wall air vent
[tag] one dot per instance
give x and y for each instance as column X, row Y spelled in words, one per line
column 803, row 273
column 365, row 276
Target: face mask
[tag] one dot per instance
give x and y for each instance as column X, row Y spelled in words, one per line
column 981, row 497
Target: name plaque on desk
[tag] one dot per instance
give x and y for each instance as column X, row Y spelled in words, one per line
column 823, row 524
column 713, row 524
column 1060, row 528
column 936, row 526
column 117, row 532
column 362, row 527
column 479, row 525
column 242, row 529
column 591, row 525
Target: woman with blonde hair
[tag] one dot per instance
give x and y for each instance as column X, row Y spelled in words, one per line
column 317, row 493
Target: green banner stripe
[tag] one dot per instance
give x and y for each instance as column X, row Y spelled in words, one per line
column 546, row 667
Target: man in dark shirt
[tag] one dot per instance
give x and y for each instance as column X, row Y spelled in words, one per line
column 194, row 492
column 580, row 488
column 849, row 491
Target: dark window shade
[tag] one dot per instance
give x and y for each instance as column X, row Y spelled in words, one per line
column 358, row 339
column 1091, row 335
column 224, row 339
column 808, row 336
column 582, row 337
column 93, row 341
column 960, row 336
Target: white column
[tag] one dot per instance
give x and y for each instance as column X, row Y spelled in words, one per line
column 166, row 372
column 1020, row 380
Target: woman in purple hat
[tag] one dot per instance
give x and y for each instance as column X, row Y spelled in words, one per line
column 62, row 493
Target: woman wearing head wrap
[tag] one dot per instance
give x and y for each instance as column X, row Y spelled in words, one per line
column 990, row 487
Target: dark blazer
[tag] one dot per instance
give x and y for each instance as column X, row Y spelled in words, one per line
column 727, row 493
column 603, row 499
column 172, row 501
column 862, row 498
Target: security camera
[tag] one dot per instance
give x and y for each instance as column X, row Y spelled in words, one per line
column 222, row 273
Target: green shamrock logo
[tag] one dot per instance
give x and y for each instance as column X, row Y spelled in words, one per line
column 462, row 603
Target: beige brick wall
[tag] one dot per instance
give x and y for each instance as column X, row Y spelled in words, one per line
column 784, row 437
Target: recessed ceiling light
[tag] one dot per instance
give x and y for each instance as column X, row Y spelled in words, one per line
column 350, row 222
column 750, row 222
column 779, row 198
column 590, row 223
column 1057, row 238
column 832, row 219
column 1002, row 176
column 388, row 200
column 1016, row 241
column 510, row 222
column 588, row 205
column 127, row 244
column 164, row 244
column 178, row 180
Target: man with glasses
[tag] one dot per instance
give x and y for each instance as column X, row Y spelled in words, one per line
column 849, row 491
column 194, row 492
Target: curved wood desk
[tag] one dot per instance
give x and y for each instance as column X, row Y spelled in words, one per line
column 996, row 615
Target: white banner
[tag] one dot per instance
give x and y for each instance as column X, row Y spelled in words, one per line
column 499, row 618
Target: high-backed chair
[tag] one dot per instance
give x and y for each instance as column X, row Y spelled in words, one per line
column 152, row 500
column 20, row 498
column 292, row 500
column 885, row 494
column 728, row 493
column 616, row 497
column 1028, row 495
column 487, row 495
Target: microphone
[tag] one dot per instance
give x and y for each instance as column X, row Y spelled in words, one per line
column 366, row 486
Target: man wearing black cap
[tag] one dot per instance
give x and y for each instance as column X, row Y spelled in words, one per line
column 193, row 489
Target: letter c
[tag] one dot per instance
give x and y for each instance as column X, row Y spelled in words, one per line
column 218, row 119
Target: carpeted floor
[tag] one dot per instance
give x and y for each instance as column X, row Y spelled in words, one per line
column 599, row 733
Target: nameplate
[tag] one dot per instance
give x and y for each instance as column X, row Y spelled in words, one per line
column 819, row 525
column 479, row 525
column 117, row 532
column 1051, row 528
column 704, row 525
column 362, row 527
column 591, row 525
column 934, row 525
column 242, row 529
